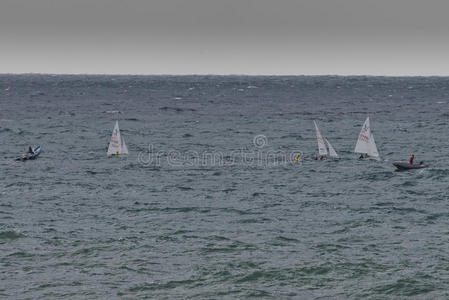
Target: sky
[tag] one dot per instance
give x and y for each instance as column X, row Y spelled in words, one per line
column 254, row 37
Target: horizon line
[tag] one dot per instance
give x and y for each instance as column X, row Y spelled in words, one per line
column 216, row 74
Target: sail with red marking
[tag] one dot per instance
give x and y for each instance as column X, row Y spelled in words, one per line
column 365, row 143
column 117, row 144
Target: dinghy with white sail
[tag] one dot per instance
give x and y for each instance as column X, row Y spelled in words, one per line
column 117, row 144
column 365, row 143
column 324, row 147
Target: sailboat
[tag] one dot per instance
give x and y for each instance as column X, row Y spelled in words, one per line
column 365, row 143
column 117, row 144
column 324, row 147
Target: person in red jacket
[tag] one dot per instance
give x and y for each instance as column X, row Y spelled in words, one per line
column 411, row 159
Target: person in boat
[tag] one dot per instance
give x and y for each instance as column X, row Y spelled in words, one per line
column 322, row 157
column 412, row 157
column 30, row 150
column 363, row 156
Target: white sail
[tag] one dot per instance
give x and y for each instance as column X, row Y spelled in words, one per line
column 124, row 148
column 372, row 148
column 117, row 143
column 321, row 145
column 332, row 152
column 364, row 138
column 365, row 143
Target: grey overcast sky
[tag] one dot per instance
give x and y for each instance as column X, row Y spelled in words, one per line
column 372, row 37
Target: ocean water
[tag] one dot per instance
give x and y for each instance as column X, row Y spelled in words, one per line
column 209, row 203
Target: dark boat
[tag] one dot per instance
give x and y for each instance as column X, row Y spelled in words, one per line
column 402, row 165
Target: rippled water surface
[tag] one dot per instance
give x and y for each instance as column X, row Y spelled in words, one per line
column 77, row 224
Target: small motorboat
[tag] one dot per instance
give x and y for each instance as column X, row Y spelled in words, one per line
column 403, row 165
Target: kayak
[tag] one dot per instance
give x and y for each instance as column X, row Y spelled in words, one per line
column 37, row 150
column 402, row 165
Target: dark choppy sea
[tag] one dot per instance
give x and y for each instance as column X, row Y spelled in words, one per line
column 198, row 210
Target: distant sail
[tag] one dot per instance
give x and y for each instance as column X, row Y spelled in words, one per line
column 321, row 145
column 365, row 143
column 332, row 152
column 124, row 148
column 372, row 148
column 117, row 144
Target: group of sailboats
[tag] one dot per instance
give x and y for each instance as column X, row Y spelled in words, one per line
column 366, row 146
